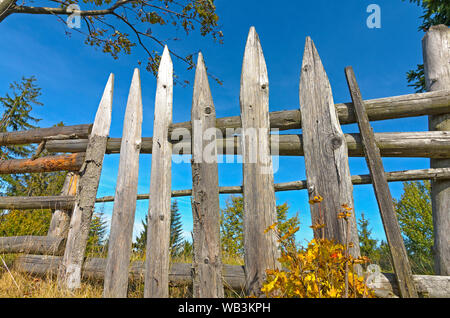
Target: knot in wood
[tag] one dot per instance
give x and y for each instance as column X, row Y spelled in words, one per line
column 264, row 86
column 161, row 217
column 336, row 142
column 206, row 260
column 208, row 110
column 306, row 68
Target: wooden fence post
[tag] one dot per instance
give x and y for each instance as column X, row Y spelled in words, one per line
column 261, row 250
column 158, row 238
column 385, row 202
column 436, row 57
column 207, row 261
column 59, row 225
column 326, row 152
column 69, row 274
column 121, row 234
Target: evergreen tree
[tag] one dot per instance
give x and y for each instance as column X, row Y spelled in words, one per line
column 367, row 244
column 187, row 249
column 176, row 232
column 96, row 243
column 415, row 217
column 231, row 226
column 141, row 240
column 16, row 107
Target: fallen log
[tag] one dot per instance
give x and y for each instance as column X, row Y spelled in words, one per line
column 29, row 203
column 427, row 144
column 39, row 134
column 72, row 162
column 32, row 244
column 408, row 175
column 234, row 278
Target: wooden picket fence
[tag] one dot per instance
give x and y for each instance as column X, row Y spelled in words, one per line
column 323, row 144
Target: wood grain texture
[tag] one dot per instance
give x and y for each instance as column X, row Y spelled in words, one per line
column 60, row 222
column 39, row 134
column 70, row 271
column 207, row 262
column 30, row 203
column 384, row 284
column 403, row 106
column 385, row 202
column 261, row 250
column 428, row 144
column 32, row 245
column 326, row 153
column 157, row 261
column 122, row 223
column 72, row 162
column 436, row 56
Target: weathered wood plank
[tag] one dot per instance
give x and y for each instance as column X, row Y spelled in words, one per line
column 261, row 250
column 157, row 262
column 121, row 234
column 385, row 203
column 207, row 262
column 59, row 225
column 326, row 159
column 32, row 244
column 30, row 203
column 39, row 134
column 403, row 106
column 233, row 276
column 436, row 56
column 428, row 144
column 72, row 162
column 70, row 271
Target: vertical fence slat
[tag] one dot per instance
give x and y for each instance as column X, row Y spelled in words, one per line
column 207, row 261
column 382, row 192
column 69, row 275
column 157, row 259
column 436, row 57
column 261, row 250
column 326, row 153
column 121, row 234
column 59, row 225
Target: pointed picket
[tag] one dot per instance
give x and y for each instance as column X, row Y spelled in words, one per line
column 121, row 234
column 69, row 274
column 158, row 238
column 207, row 261
column 261, row 250
column 326, row 153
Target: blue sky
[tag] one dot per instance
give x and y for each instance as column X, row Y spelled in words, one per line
column 72, row 77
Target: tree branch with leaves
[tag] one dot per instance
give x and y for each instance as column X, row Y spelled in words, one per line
column 117, row 27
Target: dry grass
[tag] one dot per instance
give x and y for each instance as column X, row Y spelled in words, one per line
column 33, row 287
column 15, row 284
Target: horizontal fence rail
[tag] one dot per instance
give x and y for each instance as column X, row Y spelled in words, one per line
column 427, row 144
column 40, row 134
column 49, row 202
column 71, row 162
column 32, row 244
column 407, row 175
column 403, row 106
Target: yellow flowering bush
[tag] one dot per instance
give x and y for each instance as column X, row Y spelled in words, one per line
column 324, row 269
